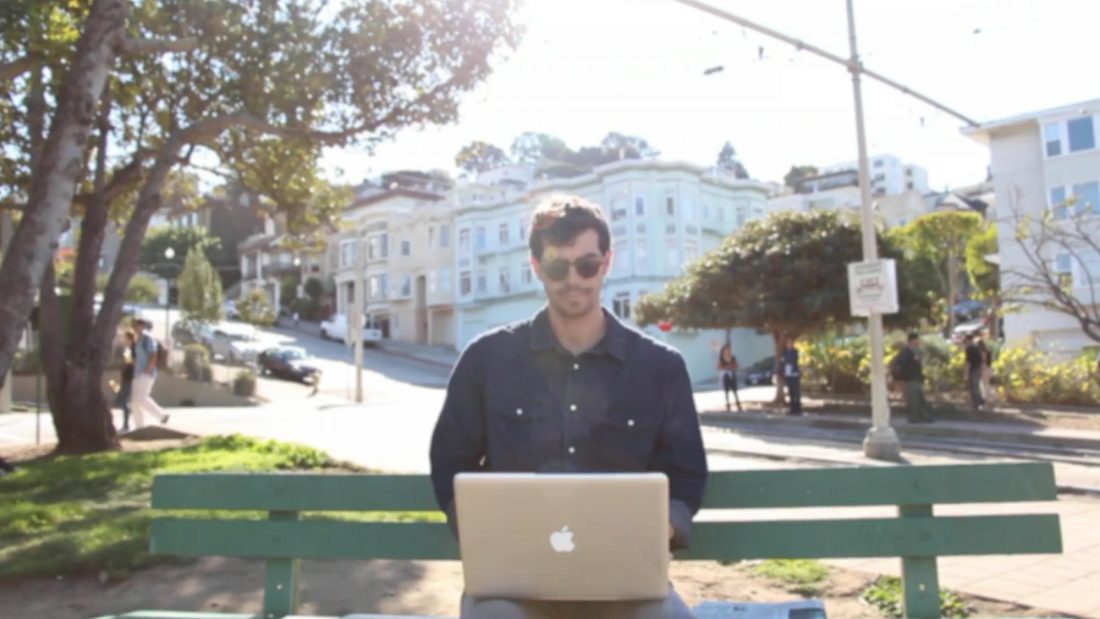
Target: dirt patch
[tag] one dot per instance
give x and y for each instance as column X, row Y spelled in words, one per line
column 396, row 587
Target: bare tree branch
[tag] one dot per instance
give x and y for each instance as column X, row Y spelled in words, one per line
column 17, row 67
column 146, row 47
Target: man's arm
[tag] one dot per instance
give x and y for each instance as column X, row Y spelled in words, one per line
column 679, row 453
column 151, row 355
column 458, row 442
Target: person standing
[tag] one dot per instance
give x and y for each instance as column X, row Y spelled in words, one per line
column 727, row 374
column 989, row 394
column 125, row 388
column 572, row 390
column 145, row 374
column 907, row 367
column 974, row 363
column 792, row 375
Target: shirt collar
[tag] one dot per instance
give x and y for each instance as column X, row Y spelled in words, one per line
column 613, row 342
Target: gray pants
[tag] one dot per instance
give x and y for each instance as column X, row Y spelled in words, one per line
column 974, row 384
column 672, row 607
column 916, row 405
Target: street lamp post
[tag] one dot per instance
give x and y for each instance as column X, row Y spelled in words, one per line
column 169, row 255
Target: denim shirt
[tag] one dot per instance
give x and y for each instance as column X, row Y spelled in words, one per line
column 146, row 347
column 519, row 402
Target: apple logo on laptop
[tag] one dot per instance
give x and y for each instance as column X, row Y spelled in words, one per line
column 562, row 541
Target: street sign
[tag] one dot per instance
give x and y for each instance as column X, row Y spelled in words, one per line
column 873, row 287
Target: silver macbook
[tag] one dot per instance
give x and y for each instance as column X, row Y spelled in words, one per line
column 564, row 536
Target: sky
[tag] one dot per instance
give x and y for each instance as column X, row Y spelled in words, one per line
column 588, row 67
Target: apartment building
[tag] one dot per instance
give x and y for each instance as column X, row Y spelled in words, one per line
column 663, row 216
column 1046, row 164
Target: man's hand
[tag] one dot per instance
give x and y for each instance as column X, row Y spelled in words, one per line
column 671, row 531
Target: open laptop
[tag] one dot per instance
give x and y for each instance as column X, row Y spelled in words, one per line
column 564, row 536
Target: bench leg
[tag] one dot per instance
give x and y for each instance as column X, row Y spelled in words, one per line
column 919, row 576
column 281, row 580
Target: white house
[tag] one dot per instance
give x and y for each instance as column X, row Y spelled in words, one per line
column 1047, row 163
column 663, row 215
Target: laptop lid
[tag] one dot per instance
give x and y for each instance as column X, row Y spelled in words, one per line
column 564, row 536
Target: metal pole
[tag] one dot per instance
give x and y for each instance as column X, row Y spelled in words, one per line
column 881, row 441
column 356, row 321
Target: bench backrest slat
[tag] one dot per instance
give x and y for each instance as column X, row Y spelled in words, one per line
column 294, row 492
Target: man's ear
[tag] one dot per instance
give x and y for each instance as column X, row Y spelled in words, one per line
column 536, row 267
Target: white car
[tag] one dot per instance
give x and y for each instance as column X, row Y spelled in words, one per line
column 336, row 328
column 236, row 343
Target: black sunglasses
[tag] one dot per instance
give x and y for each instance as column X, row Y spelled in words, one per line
column 586, row 266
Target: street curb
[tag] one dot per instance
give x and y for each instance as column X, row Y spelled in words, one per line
column 942, row 429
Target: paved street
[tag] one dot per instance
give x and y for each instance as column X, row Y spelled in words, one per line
column 391, row 431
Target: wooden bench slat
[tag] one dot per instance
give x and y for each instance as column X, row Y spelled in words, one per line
column 876, row 537
column 179, row 614
column 901, row 485
column 294, row 492
column 309, row 539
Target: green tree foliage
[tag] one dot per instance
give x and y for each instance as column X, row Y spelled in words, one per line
column 727, row 160
column 200, row 288
column 142, row 289
column 314, row 288
column 985, row 277
column 255, row 308
column 941, row 240
column 181, row 239
column 797, row 173
column 556, row 160
column 481, row 156
column 785, row 275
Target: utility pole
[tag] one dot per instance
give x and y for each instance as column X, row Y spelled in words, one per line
column 5, row 235
column 881, row 441
column 355, row 321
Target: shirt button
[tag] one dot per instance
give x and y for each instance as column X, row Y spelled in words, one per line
column 630, row 422
column 576, row 366
column 572, row 450
column 573, row 407
column 519, row 411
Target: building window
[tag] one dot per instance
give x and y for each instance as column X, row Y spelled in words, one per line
column 1086, row 198
column 878, row 163
column 1058, row 208
column 406, row 286
column 482, row 282
column 479, row 240
column 618, row 231
column 672, row 253
column 464, row 288
column 879, row 178
column 406, row 247
column 909, row 185
column 618, row 209
column 443, row 279
column 639, row 206
column 376, row 287
column 525, row 276
column 670, row 206
column 504, row 235
column 464, row 242
column 1052, row 136
column 1063, row 270
column 641, row 228
column 641, row 254
column 431, row 237
column 620, row 305
column 445, row 236
column 670, row 229
column 523, row 229
column 377, row 247
column 505, row 280
column 347, row 253
column 1080, row 133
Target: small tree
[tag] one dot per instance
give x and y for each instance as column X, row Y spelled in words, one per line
column 142, row 289
column 200, row 288
column 255, row 308
column 480, row 156
column 727, row 160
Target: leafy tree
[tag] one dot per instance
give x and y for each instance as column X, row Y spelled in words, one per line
column 200, row 288
column 532, row 147
column 727, row 160
column 480, row 156
column 254, row 91
column 314, row 288
column 181, row 239
column 941, row 239
column 256, row 308
column 143, row 289
column 797, row 173
column 786, row 275
column 984, row 275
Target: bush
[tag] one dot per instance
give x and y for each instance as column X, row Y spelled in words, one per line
column 885, row 594
column 244, row 384
column 255, row 308
column 196, row 363
column 842, row 364
column 1025, row 375
column 307, row 308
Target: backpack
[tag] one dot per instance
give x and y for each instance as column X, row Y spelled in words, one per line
column 162, row 355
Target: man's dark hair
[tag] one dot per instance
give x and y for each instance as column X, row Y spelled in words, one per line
column 559, row 220
column 913, row 336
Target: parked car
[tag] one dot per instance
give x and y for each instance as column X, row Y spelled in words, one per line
column 761, row 373
column 336, row 328
column 229, row 308
column 235, row 342
column 966, row 328
column 189, row 331
column 290, row 362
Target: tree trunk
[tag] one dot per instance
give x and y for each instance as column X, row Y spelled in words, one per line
column 780, row 379
column 56, row 173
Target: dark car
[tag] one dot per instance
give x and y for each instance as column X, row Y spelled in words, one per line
column 760, row 373
column 289, row 362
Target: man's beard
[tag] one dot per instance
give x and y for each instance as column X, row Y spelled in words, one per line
column 570, row 306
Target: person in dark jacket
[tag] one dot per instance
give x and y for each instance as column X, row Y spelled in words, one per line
column 975, row 361
column 907, row 367
column 727, row 374
column 792, row 375
column 125, row 388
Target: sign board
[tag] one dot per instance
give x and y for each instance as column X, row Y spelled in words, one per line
column 162, row 292
column 873, row 287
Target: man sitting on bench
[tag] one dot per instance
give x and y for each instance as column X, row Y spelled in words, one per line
column 572, row 390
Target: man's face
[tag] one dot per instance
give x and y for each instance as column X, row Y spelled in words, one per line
column 914, row 344
column 138, row 327
column 569, row 293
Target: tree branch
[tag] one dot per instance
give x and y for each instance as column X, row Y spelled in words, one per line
column 17, row 67
column 146, row 47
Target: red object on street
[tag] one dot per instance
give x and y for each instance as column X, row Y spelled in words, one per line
column 665, row 326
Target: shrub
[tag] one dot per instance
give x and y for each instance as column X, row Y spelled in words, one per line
column 255, row 308
column 885, row 594
column 1025, row 375
column 244, row 384
column 196, row 363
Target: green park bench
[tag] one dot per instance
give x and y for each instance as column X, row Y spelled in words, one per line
column 916, row 534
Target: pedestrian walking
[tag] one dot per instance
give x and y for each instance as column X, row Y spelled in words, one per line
column 792, row 375
column 727, row 374
column 145, row 375
column 126, row 378
column 572, row 390
column 989, row 394
column 973, row 372
column 908, row 369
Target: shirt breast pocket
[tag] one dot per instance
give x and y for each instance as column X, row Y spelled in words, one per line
column 626, row 442
column 512, row 431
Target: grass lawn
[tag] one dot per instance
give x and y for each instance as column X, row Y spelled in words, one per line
column 90, row 514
